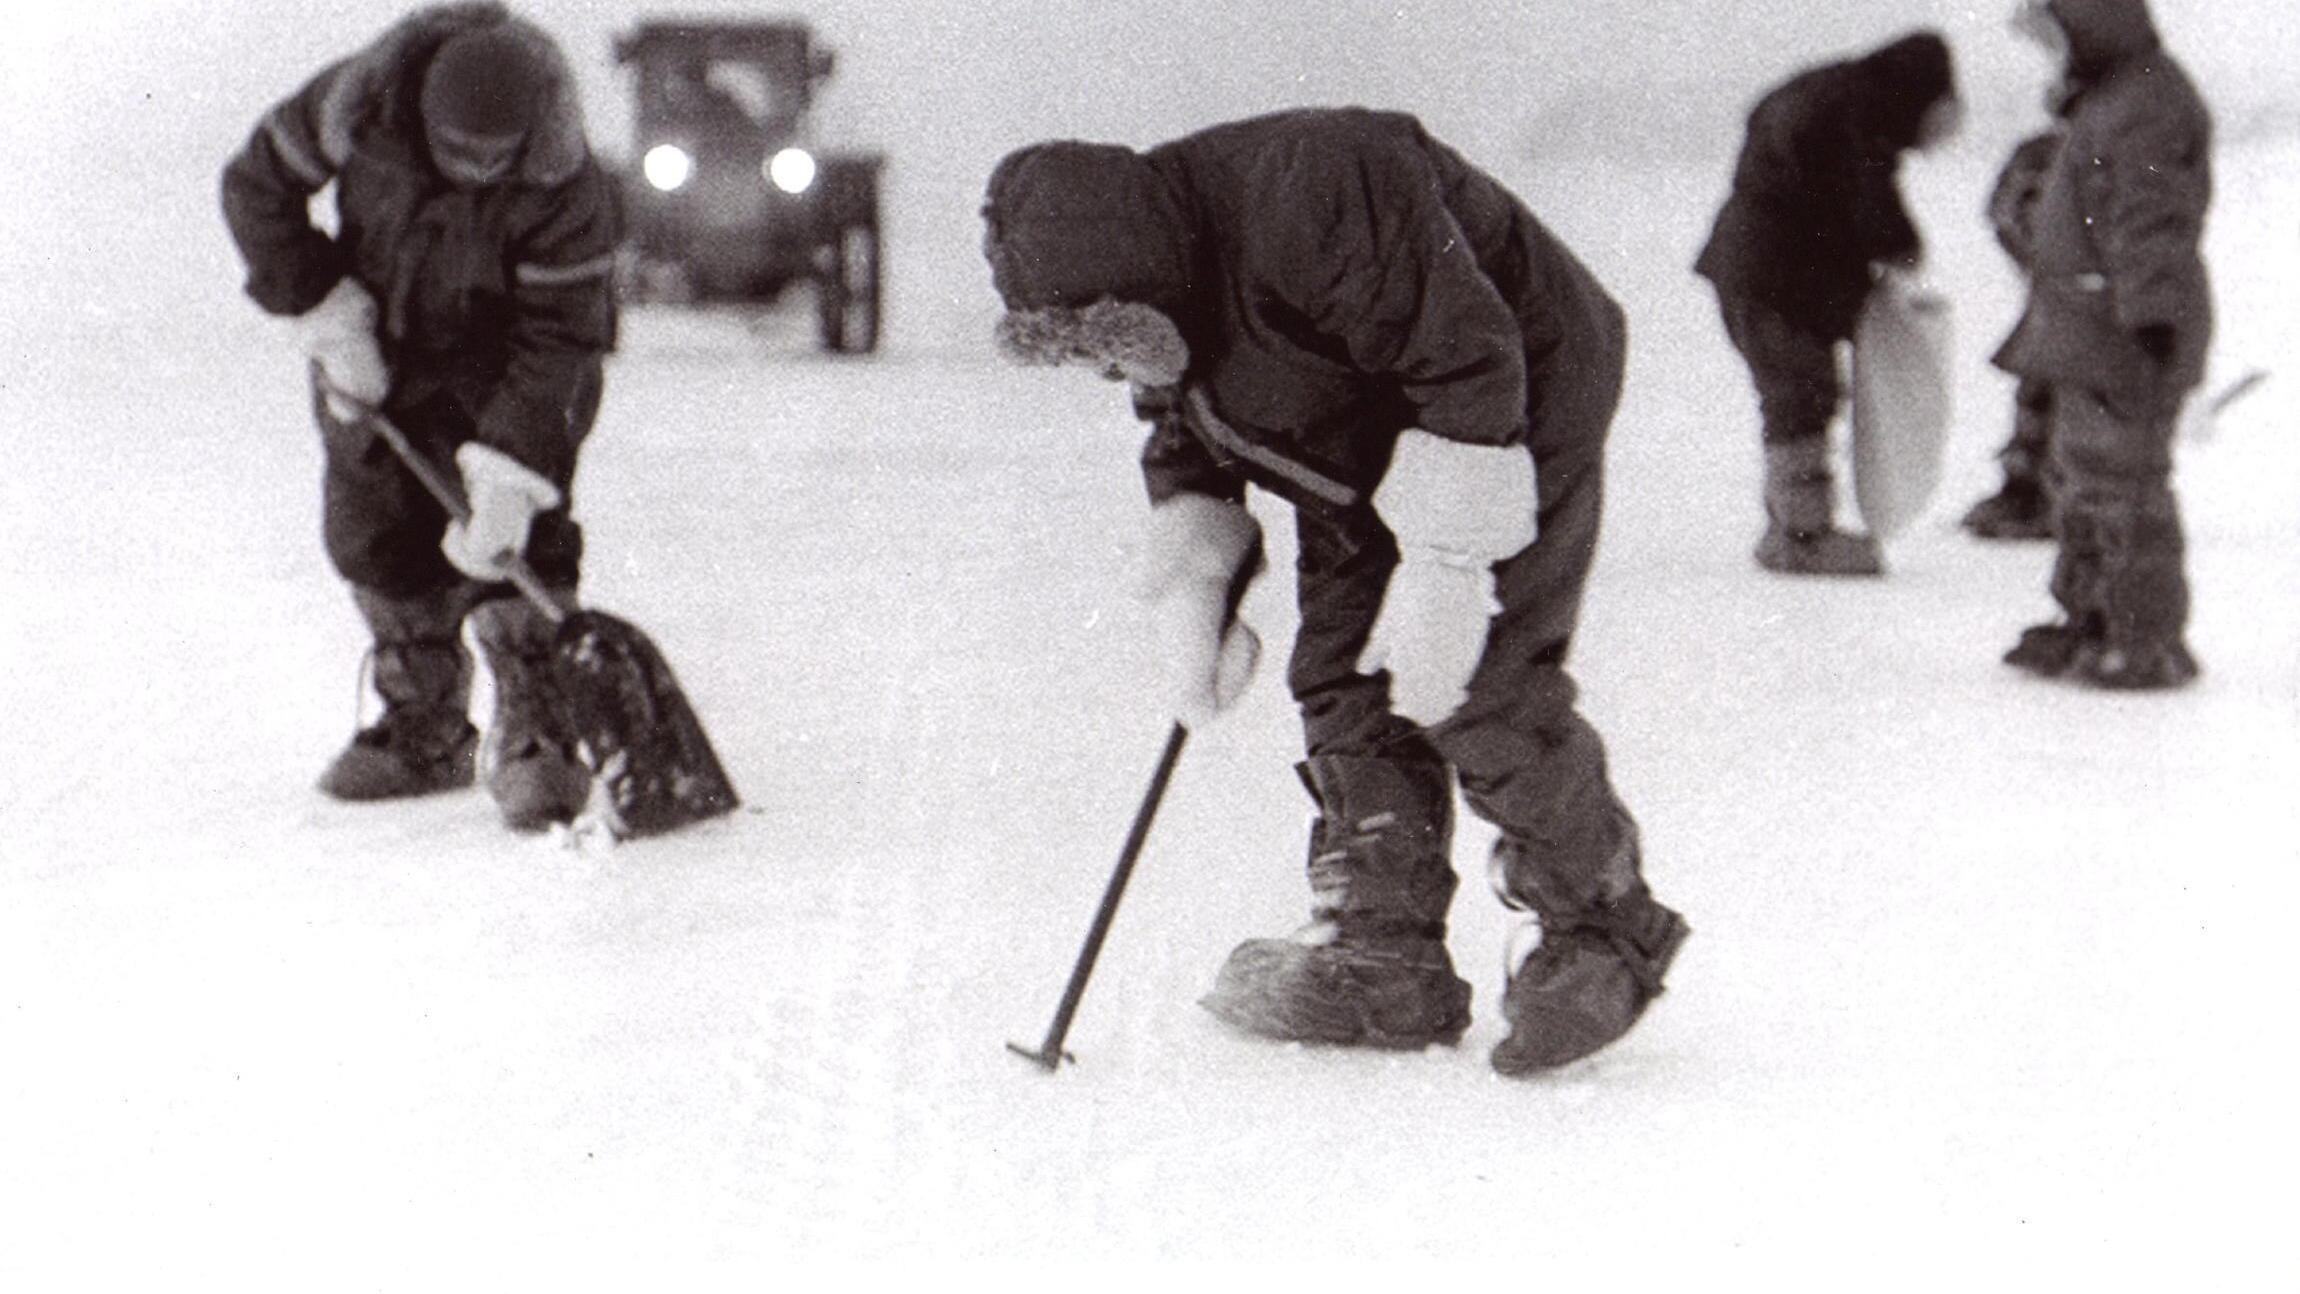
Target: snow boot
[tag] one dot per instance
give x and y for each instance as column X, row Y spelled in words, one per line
column 2023, row 508
column 2051, row 650
column 423, row 742
column 2119, row 577
column 1801, row 536
column 529, row 756
column 1598, row 964
column 2139, row 668
column 2143, row 590
column 2019, row 511
column 2083, row 650
column 1371, row 968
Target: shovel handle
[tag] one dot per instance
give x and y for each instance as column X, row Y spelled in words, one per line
column 443, row 487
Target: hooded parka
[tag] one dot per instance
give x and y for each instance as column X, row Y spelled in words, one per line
column 1815, row 204
column 499, row 299
column 2117, row 222
column 1338, row 276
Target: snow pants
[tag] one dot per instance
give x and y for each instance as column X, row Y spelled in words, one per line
column 2122, row 563
column 1526, row 759
column 383, row 528
column 1794, row 367
column 2028, row 454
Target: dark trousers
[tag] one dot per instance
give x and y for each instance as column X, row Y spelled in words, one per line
column 1527, row 760
column 383, row 528
column 1793, row 366
column 2122, row 564
column 2028, row 455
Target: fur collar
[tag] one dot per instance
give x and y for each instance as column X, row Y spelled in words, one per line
column 1124, row 339
column 381, row 85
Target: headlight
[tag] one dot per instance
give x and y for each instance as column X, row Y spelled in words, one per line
column 667, row 167
column 792, row 170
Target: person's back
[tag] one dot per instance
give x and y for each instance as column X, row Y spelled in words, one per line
column 1304, row 213
column 1814, row 202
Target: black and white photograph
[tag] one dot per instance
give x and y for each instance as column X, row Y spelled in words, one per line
column 679, row 646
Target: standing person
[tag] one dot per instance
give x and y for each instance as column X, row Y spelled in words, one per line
column 468, row 293
column 2118, row 323
column 1337, row 308
column 2022, row 507
column 1814, row 220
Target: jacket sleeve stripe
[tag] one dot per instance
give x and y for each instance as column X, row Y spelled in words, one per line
column 1206, row 422
column 556, row 276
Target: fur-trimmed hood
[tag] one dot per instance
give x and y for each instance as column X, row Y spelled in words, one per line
column 1903, row 80
column 1124, row 339
column 382, row 84
column 1067, row 223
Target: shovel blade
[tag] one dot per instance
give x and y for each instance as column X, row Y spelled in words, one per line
column 653, row 765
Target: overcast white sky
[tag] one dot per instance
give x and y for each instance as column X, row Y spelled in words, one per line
column 125, row 109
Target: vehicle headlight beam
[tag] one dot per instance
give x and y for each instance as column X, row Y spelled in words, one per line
column 792, row 170
column 667, row 167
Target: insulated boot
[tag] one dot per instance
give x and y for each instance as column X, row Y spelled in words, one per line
column 2051, row 650
column 529, row 757
column 1801, row 536
column 2023, row 508
column 2120, row 578
column 2144, row 599
column 1598, row 964
column 2019, row 511
column 424, row 741
column 2080, row 585
column 2140, row 668
column 1371, row 968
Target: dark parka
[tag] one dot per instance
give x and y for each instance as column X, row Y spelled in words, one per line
column 1339, row 276
column 2117, row 222
column 500, row 298
column 1816, row 203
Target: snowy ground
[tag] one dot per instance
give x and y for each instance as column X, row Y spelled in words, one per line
column 1988, row 979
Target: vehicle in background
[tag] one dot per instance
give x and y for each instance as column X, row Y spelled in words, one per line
column 730, row 197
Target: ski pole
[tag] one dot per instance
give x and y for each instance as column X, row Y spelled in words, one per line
column 1049, row 1054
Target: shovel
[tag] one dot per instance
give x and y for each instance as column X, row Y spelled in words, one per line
column 652, row 767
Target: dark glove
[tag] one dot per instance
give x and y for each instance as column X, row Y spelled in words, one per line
column 2157, row 341
column 2152, row 392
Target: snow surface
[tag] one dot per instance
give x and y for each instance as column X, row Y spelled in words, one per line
column 1988, row 980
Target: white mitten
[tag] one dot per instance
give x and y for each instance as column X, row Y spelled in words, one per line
column 1195, row 548
column 504, row 495
column 1430, row 634
column 1455, row 509
column 339, row 333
